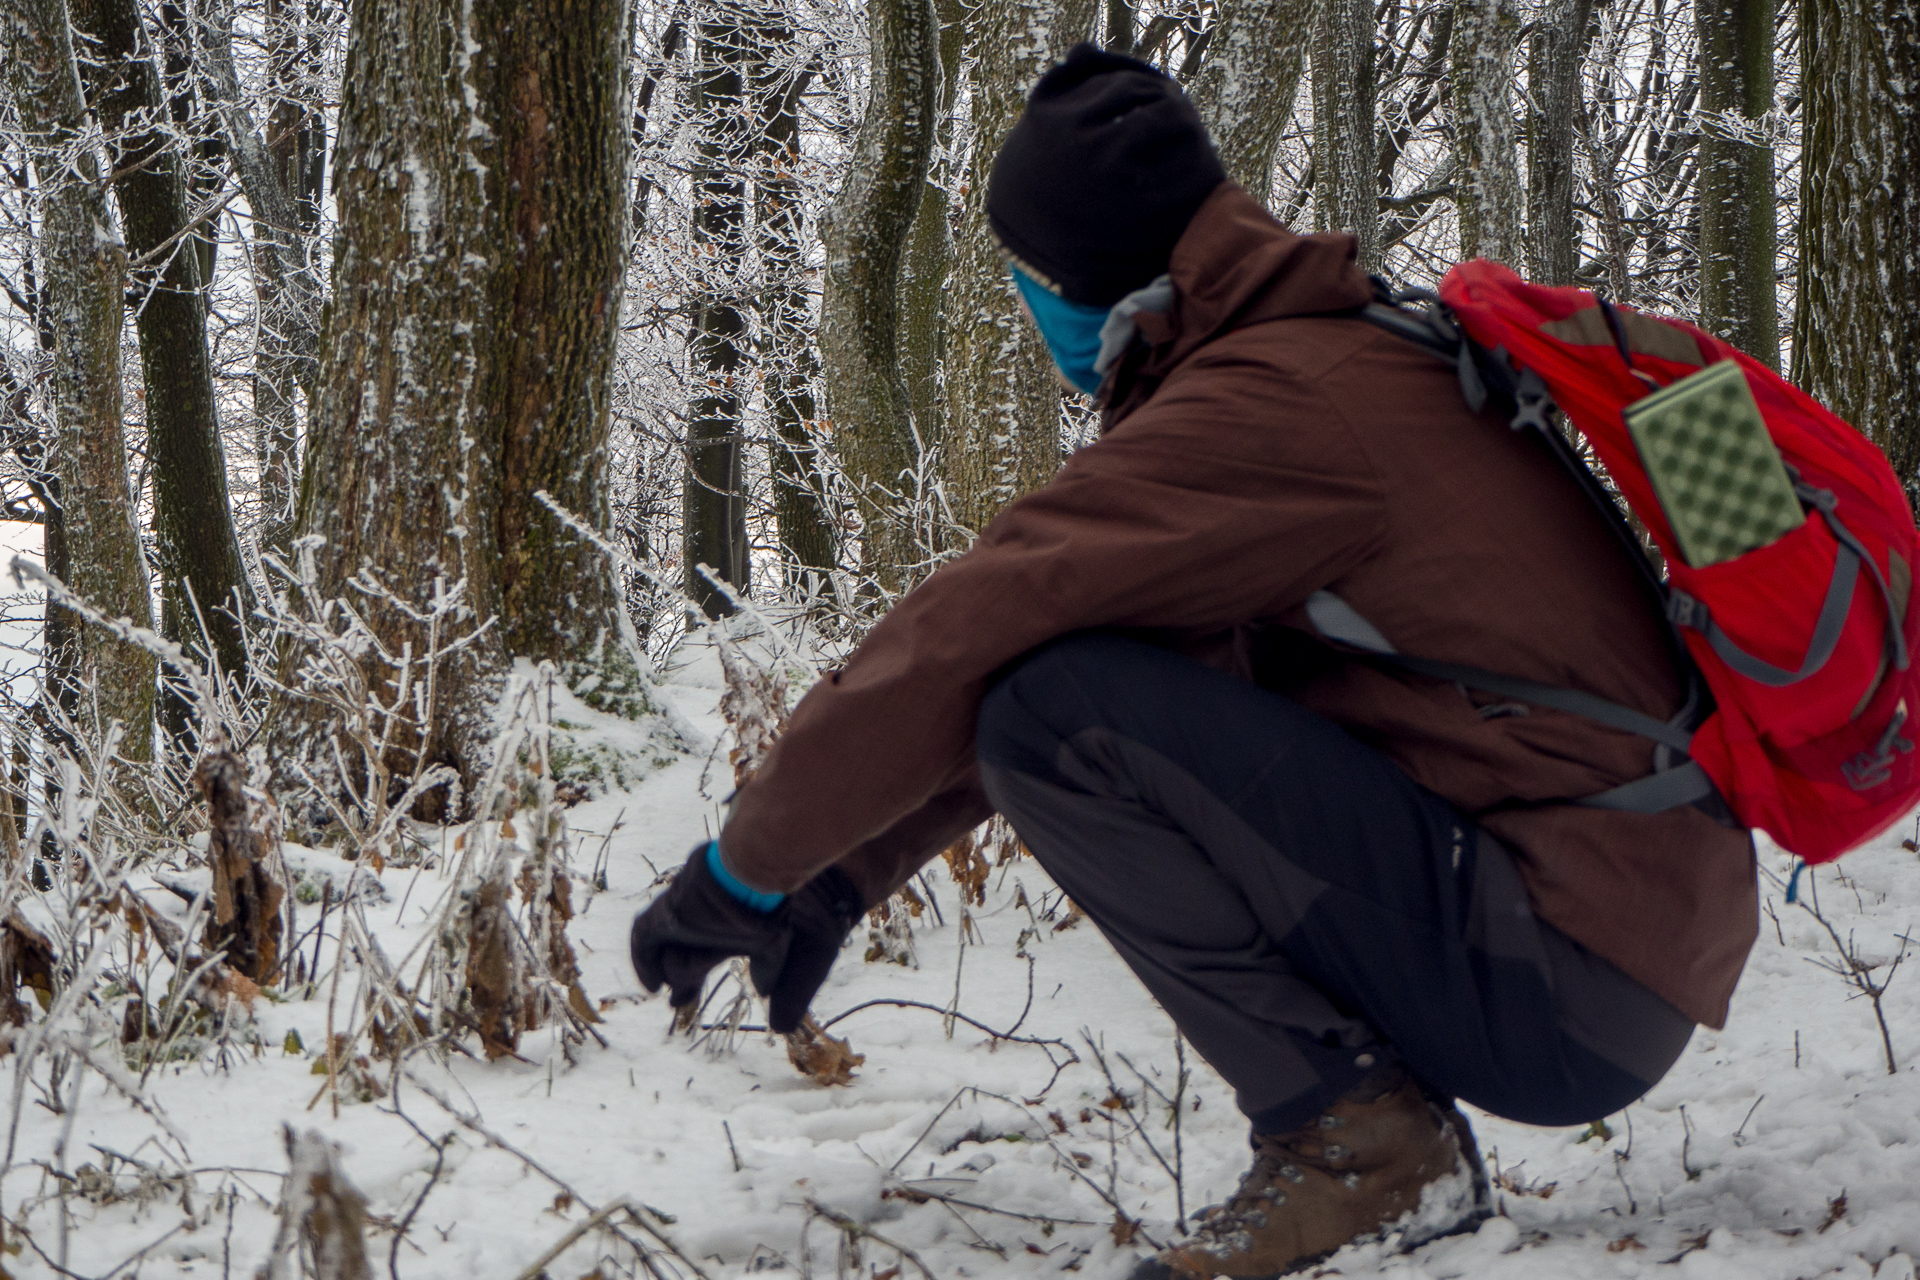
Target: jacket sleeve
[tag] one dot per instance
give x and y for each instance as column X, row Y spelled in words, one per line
column 1228, row 498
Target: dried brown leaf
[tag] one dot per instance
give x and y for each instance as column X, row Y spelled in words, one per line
column 824, row 1058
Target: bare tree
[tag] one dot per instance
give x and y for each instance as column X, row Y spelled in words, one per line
column 714, row 502
column 1736, row 198
column 1486, row 181
column 1856, row 324
column 930, row 246
column 1346, row 194
column 1554, row 53
column 84, row 267
column 1003, row 405
column 284, row 365
column 201, row 575
column 1245, row 86
column 464, row 368
column 808, row 538
column 865, row 233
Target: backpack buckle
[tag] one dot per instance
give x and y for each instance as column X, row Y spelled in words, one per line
column 1531, row 400
column 1873, row 768
column 1685, row 611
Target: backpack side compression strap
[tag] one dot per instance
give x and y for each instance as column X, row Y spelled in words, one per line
column 1670, row 788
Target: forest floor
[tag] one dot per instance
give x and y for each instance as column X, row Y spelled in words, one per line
column 1781, row 1147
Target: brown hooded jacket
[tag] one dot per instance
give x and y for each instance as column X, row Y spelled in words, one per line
column 1260, row 446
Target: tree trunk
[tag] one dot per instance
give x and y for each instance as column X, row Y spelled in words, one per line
column 1246, row 86
column 177, row 41
column 561, row 196
column 929, row 263
column 299, row 152
column 1736, row 200
column 1554, row 54
column 788, row 363
column 1856, row 326
column 202, row 579
column 1120, row 26
column 465, row 364
column 1003, row 405
column 1486, row 182
column 281, row 186
column 864, row 233
column 1346, row 194
column 714, row 519
column 85, row 271
column 671, row 41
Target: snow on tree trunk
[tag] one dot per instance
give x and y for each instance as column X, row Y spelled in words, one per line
column 1486, row 182
column 714, row 500
column 1554, row 54
column 1856, row 327
column 1736, row 196
column 1003, row 404
column 1245, row 88
column 808, row 538
column 929, row 255
column 1346, row 192
column 865, row 233
column 200, row 561
column 84, row 266
column 464, row 368
column 282, row 371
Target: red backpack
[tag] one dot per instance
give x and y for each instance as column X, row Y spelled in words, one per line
column 1803, row 643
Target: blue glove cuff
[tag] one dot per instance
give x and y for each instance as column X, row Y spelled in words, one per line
column 753, row 898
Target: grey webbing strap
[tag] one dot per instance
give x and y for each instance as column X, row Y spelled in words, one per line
column 1896, row 634
column 1611, row 714
column 1686, row 611
column 1338, row 620
column 1691, row 613
column 1658, row 792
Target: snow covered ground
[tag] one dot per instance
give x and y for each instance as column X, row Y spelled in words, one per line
column 1779, row 1148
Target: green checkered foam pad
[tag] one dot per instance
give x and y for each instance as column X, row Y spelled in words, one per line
column 1713, row 465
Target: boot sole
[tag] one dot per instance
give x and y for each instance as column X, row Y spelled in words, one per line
column 1154, row 1269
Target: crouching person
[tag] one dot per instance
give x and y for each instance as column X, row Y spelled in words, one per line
column 1360, row 892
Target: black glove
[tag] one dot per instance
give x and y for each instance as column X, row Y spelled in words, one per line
column 696, row 924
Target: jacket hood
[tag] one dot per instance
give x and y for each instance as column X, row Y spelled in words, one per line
column 1236, row 265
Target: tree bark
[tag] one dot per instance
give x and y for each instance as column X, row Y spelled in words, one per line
column 202, row 578
column 1246, row 86
column 482, row 195
column 1736, row 197
column 1346, row 194
column 298, row 148
column 1856, row 325
column 865, row 233
column 1487, row 191
column 288, row 294
column 1120, row 25
column 1003, row 405
column 930, row 247
column 1554, row 54
column 714, row 507
column 561, row 194
column 808, row 541
column 84, row 267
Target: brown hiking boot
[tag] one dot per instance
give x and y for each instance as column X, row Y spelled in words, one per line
column 1373, row 1164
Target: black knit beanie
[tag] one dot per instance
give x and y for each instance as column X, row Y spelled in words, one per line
column 1100, row 176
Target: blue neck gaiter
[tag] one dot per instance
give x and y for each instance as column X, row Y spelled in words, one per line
column 1072, row 331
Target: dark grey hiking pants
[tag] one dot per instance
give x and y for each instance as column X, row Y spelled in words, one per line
column 1305, row 913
